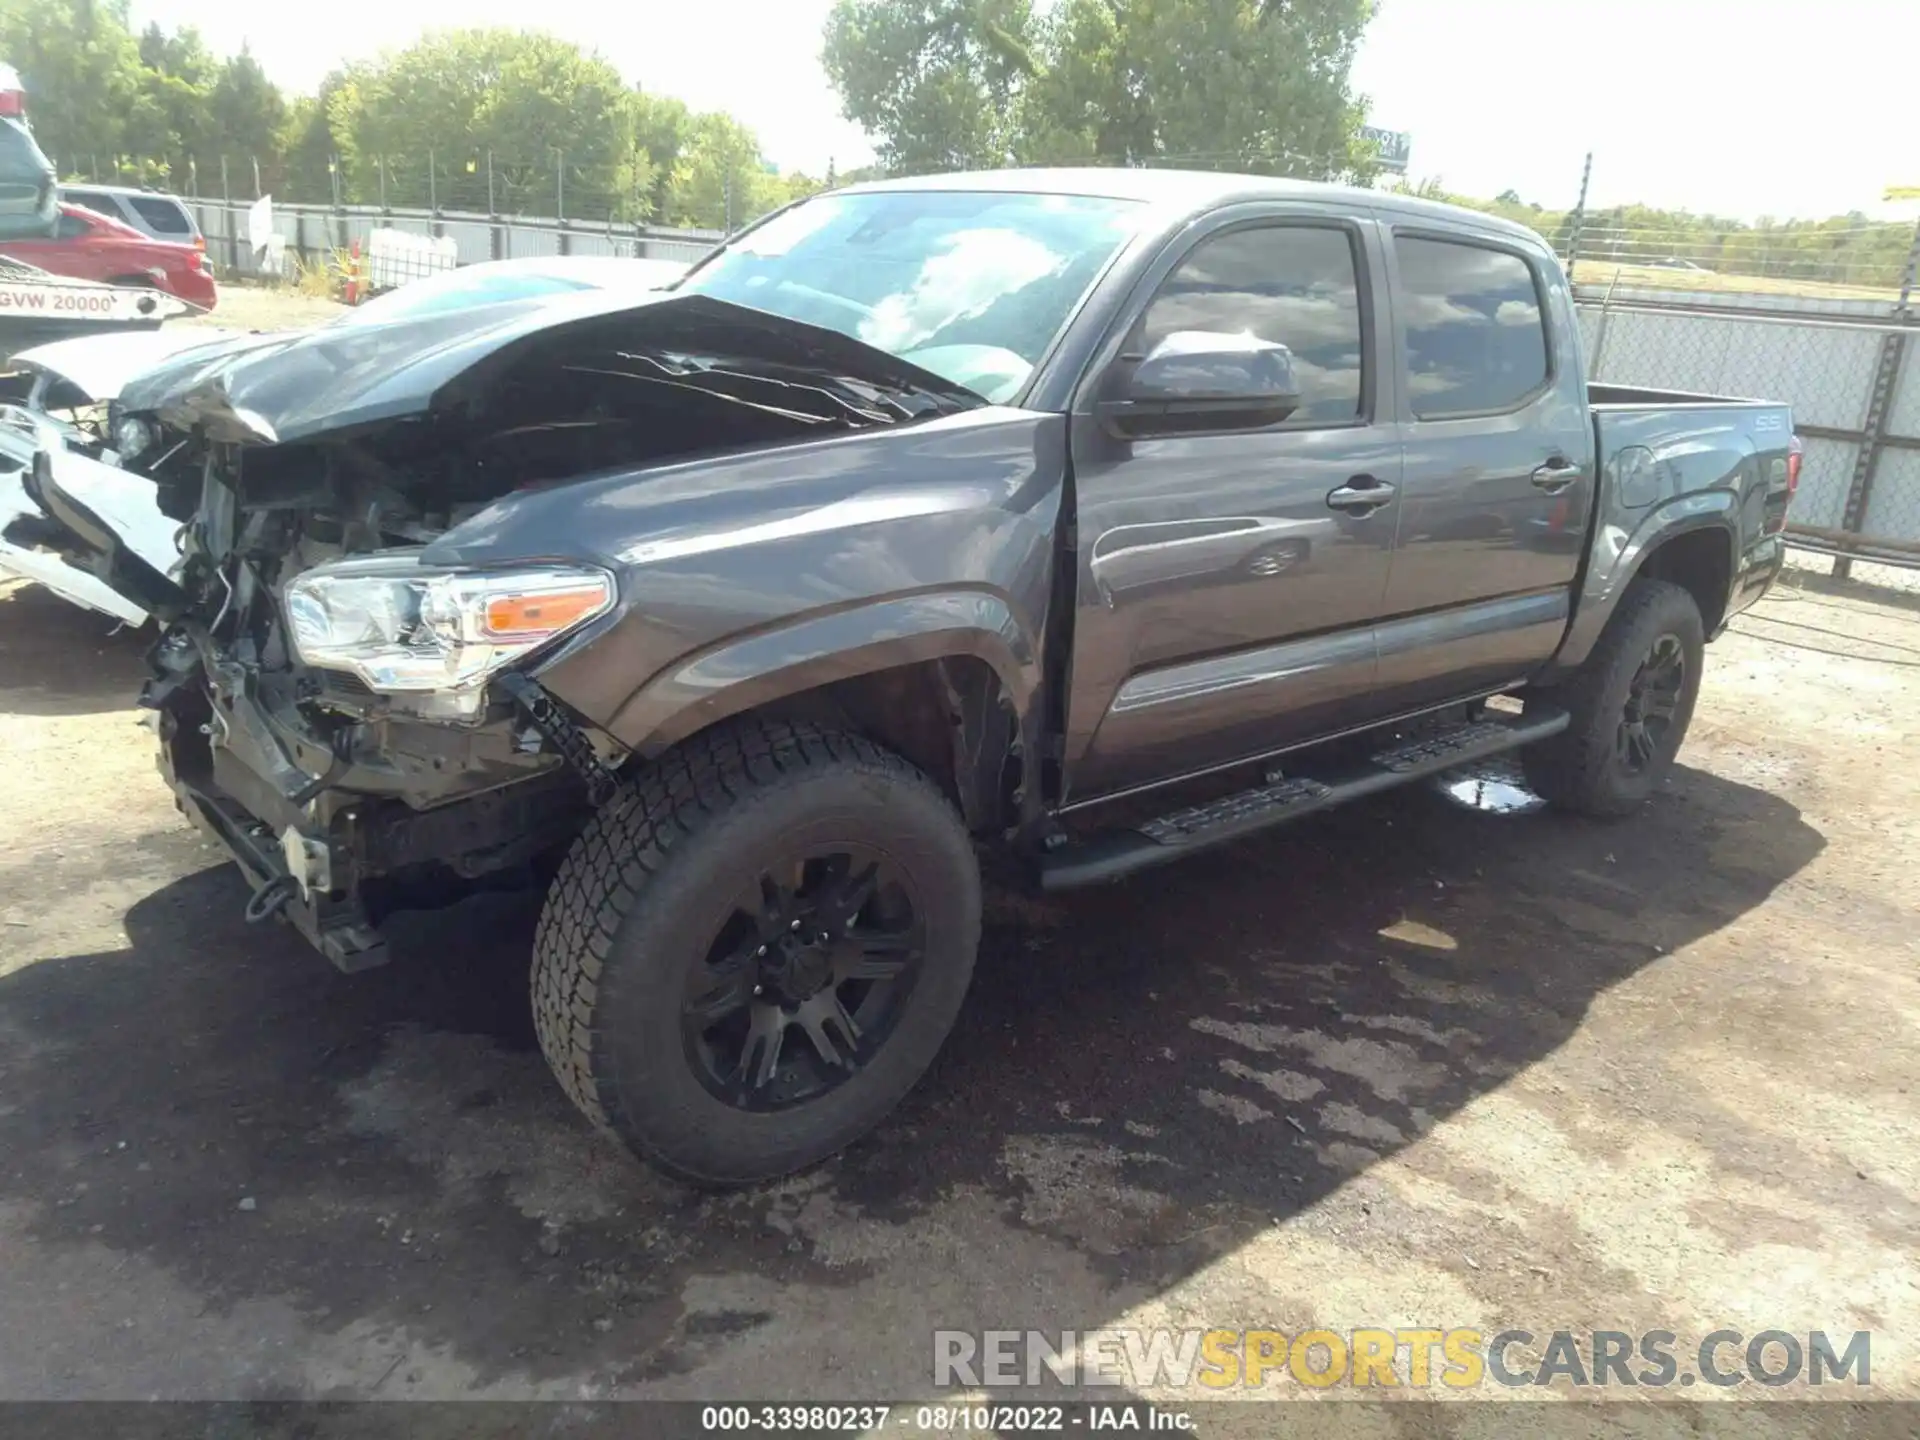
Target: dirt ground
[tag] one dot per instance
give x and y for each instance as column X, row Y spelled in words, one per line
column 256, row 307
column 1408, row 1064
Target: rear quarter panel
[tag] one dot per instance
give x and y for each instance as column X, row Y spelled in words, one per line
column 1670, row 469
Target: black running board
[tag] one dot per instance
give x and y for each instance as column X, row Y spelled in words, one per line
column 1114, row 853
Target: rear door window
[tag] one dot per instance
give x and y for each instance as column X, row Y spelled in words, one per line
column 72, row 227
column 162, row 216
column 1475, row 327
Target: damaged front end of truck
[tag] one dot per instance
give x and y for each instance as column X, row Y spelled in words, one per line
column 345, row 699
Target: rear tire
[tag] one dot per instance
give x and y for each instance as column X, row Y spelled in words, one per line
column 1631, row 704
column 685, row 1012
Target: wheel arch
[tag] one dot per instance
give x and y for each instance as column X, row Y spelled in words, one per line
column 1700, row 560
column 946, row 680
column 1691, row 542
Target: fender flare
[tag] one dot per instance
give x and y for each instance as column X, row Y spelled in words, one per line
column 1617, row 557
column 749, row 671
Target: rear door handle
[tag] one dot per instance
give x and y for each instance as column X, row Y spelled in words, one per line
column 1556, row 475
column 1361, row 496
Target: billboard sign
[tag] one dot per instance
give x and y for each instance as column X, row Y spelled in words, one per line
column 1395, row 147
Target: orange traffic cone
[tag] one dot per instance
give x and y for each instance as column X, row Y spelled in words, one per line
column 353, row 274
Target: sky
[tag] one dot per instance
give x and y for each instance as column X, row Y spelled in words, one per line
column 1735, row 107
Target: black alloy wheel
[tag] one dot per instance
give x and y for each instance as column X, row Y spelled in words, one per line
column 805, row 981
column 1653, row 700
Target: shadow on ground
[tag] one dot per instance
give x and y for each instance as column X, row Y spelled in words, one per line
column 58, row 659
column 403, row 1158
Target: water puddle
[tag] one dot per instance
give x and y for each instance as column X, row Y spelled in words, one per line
column 1494, row 786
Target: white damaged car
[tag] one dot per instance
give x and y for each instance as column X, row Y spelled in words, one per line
column 61, row 397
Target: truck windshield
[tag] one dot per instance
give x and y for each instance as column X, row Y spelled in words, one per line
column 972, row 285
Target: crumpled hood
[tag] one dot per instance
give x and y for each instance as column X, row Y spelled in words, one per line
column 99, row 366
column 275, row 389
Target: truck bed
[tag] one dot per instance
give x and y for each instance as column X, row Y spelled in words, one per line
column 1718, row 434
column 1631, row 397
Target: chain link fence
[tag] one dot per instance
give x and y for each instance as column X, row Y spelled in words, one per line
column 1848, row 373
column 321, row 234
column 1859, row 259
column 582, row 188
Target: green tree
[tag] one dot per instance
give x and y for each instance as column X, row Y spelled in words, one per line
column 1256, row 85
column 304, row 148
column 171, row 120
column 183, row 55
column 82, row 72
column 937, row 83
column 720, row 179
column 660, row 128
column 553, row 117
column 247, row 113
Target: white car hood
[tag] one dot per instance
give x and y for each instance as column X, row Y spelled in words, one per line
column 49, row 569
column 126, row 503
column 99, row 365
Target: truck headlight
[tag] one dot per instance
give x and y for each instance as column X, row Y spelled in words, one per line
column 435, row 635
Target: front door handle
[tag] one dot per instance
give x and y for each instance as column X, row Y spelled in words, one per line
column 1360, row 496
column 1556, row 475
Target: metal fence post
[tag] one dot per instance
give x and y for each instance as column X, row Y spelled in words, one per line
column 1886, row 380
column 1600, row 329
column 226, row 219
column 1578, row 218
column 565, row 241
column 496, row 234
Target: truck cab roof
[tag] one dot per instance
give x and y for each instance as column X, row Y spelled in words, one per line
column 1176, row 193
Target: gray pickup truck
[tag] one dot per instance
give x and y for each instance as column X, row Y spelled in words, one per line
column 923, row 518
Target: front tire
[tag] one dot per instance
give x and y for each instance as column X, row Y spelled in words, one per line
column 1631, row 703
column 750, row 957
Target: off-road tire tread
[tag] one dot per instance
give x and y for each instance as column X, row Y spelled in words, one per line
column 1571, row 770
column 626, row 843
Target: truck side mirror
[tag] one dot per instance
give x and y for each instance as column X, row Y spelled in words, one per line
column 1207, row 380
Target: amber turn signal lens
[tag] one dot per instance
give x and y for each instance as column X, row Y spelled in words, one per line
column 520, row 616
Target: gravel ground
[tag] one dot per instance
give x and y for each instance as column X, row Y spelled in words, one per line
column 1406, row 1064
column 1896, row 584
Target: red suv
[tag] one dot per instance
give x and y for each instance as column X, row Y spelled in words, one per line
column 90, row 246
